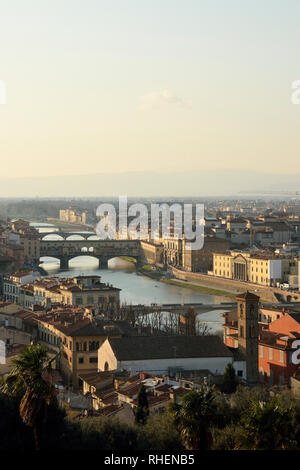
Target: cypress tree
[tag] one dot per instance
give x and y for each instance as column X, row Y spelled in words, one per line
column 229, row 379
column 142, row 410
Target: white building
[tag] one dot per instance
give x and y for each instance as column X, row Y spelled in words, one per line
column 160, row 354
column 12, row 284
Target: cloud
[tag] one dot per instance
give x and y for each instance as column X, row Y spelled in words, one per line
column 157, row 98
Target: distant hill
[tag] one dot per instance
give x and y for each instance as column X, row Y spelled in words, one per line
column 189, row 183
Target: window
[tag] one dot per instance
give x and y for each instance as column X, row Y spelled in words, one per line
column 93, row 360
column 271, row 353
column 80, row 360
column 240, row 373
column 281, row 356
column 261, row 351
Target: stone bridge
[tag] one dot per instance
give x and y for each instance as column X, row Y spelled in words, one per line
column 179, row 308
column 103, row 250
column 65, row 235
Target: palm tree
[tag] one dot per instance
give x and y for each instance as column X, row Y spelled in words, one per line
column 27, row 377
column 193, row 416
column 268, row 426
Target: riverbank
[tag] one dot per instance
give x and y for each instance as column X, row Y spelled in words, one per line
column 147, row 270
column 231, row 286
column 153, row 273
column 202, row 289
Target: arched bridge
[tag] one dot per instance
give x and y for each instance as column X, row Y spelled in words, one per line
column 65, row 235
column 103, row 250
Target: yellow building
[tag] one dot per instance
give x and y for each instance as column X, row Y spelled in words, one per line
column 260, row 268
column 78, row 338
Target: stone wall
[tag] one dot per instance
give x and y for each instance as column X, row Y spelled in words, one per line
column 151, row 253
column 236, row 287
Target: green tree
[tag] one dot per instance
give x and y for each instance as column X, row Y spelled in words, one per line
column 193, row 417
column 27, row 377
column 268, row 426
column 142, row 410
column 159, row 433
column 229, row 379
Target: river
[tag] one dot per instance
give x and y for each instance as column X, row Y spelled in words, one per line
column 135, row 287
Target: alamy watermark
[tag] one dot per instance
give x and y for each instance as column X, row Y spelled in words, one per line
column 2, row 92
column 187, row 221
column 295, row 96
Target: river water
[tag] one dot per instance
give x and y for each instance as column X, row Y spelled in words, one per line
column 135, row 287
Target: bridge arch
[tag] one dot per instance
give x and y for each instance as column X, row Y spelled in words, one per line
column 52, row 237
column 103, row 250
column 49, row 262
column 80, row 260
column 75, row 236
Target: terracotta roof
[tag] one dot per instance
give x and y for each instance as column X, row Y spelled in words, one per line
column 167, row 347
column 109, row 410
column 95, row 378
column 155, row 399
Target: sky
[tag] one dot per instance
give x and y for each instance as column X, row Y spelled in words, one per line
column 134, row 85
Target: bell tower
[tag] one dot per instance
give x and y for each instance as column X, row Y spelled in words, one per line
column 248, row 331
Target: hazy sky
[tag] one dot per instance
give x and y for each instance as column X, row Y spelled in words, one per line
column 116, row 85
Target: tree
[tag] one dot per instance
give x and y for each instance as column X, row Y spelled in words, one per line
column 268, row 426
column 229, row 379
column 193, row 417
column 142, row 410
column 27, row 377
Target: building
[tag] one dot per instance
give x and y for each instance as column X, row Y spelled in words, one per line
column 114, row 393
column 11, row 253
column 202, row 260
column 276, row 349
column 270, row 338
column 262, row 268
column 241, row 332
column 29, row 240
column 172, row 251
column 248, row 330
column 152, row 252
column 237, row 225
column 73, row 216
column 12, row 286
column 79, row 290
column 78, row 335
column 159, row 355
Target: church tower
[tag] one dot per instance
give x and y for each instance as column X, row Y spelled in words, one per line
column 248, row 330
